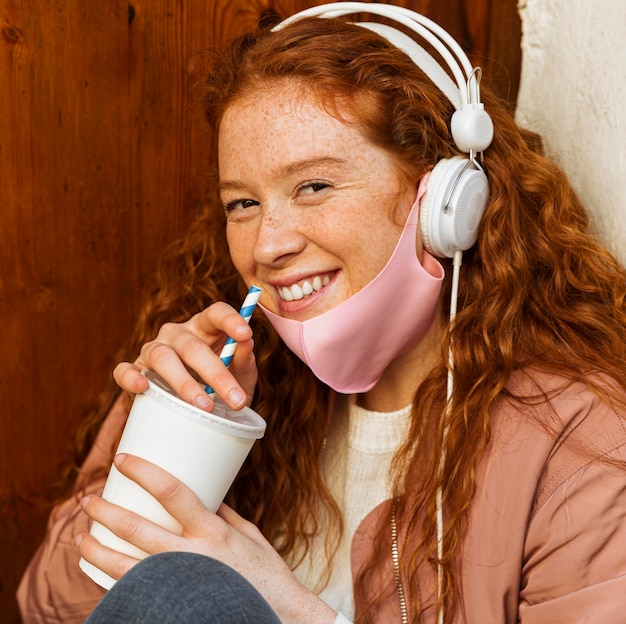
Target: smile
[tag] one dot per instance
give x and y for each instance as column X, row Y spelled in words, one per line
column 298, row 291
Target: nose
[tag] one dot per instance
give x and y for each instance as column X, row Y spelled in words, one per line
column 279, row 235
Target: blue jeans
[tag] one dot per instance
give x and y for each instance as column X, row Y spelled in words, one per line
column 181, row 588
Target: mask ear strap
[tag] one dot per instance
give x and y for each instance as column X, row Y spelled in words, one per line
column 423, row 185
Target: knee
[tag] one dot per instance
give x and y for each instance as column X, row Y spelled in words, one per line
column 184, row 574
column 181, row 566
column 182, row 587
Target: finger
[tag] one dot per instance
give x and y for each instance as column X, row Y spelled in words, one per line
column 110, row 561
column 182, row 349
column 224, row 318
column 235, row 384
column 243, row 371
column 175, row 497
column 130, row 526
column 172, row 360
column 128, row 376
column 244, row 368
column 196, row 345
column 233, row 519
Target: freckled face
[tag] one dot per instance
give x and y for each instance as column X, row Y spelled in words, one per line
column 310, row 202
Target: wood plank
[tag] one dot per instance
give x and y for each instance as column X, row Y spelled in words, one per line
column 504, row 48
column 64, row 106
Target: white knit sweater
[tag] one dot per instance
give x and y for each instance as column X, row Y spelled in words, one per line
column 355, row 465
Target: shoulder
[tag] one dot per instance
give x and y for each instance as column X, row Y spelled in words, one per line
column 550, row 505
column 547, row 432
column 574, row 424
column 577, row 522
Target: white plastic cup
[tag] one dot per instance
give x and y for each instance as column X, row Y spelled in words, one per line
column 205, row 451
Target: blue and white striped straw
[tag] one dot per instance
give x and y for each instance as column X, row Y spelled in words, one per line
column 247, row 308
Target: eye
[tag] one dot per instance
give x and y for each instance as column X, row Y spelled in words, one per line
column 239, row 204
column 312, row 187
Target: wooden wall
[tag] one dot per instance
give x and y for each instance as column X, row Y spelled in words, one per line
column 100, row 166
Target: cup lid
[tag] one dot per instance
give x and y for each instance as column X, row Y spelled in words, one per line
column 244, row 423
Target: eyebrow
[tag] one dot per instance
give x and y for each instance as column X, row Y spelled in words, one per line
column 290, row 169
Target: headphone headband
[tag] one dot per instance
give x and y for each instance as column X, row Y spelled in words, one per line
column 461, row 67
column 471, row 126
column 421, row 58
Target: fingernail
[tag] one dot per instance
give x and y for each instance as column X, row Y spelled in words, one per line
column 202, row 401
column 242, row 330
column 236, row 397
column 84, row 501
column 77, row 540
column 119, row 459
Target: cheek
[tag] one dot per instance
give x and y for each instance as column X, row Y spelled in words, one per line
column 377, row 243
column 241, row 248
column 365, row 251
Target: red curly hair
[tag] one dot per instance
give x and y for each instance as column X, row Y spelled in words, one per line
column 537, row 290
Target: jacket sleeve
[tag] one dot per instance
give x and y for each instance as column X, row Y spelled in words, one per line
column 575, row 565
column 53, row 588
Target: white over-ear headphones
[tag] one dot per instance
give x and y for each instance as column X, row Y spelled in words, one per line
column 457, row 190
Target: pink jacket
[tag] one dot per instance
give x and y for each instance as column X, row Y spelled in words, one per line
column 547, row 535
column 54, row 589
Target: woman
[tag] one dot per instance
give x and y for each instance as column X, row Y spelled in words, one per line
column 502, row 500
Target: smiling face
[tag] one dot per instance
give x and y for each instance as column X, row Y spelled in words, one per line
column 314, row 209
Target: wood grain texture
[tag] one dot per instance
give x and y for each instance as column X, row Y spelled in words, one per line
column 60, row 242
column 101, row 165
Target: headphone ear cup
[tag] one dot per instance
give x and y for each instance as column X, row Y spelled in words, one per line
column 454, row 202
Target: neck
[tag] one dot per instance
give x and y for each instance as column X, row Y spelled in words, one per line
column 396, row 388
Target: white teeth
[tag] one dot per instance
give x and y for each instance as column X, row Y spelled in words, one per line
column 285, row 294
column 297, row 292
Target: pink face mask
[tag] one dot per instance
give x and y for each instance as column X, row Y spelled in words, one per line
column 350, row 346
